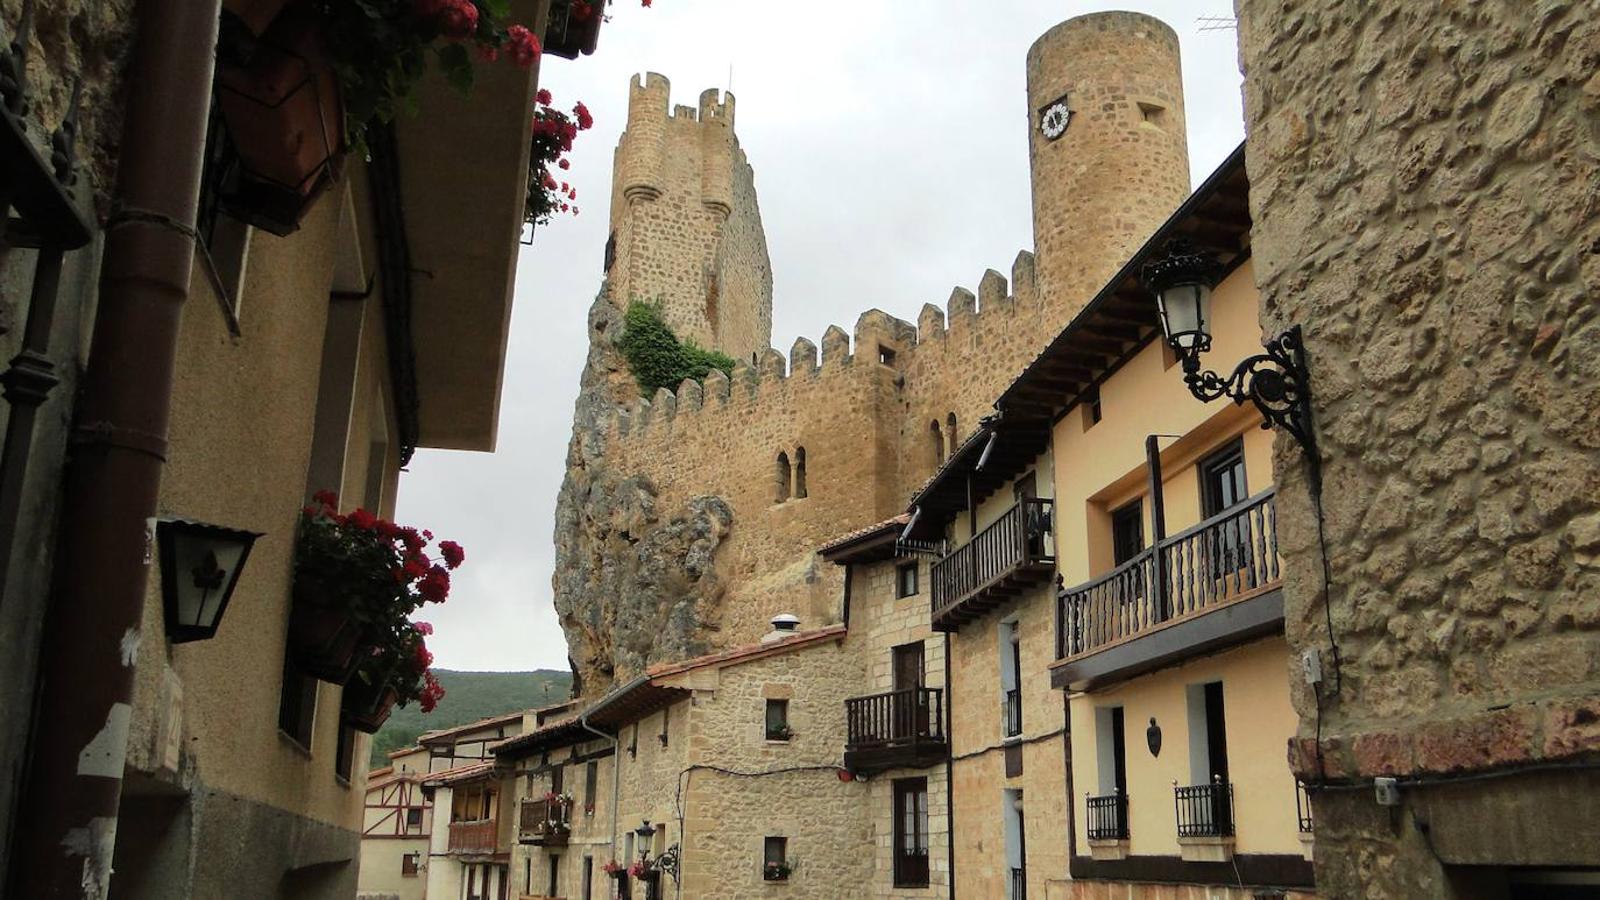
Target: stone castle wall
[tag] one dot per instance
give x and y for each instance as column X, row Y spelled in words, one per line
column 875, row 411
column 1423, row 184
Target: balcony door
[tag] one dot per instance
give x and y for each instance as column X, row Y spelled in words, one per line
column 911, row 714
column 1222, row 487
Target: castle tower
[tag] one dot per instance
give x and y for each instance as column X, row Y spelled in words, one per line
column 685, row 226
column 1106, row 146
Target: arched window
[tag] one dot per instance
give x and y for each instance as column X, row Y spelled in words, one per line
column 952, row 435
column 783, row 477
column 799, row 473
column 936, row 441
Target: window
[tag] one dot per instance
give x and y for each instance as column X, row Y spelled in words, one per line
column 414, row 818
column 905, row 579
column 588, row 878
column 800, row 473
column 782, row 476
column 472, row 883
column 633, row 745
column 665, row 725
column 554, row 884
column 936, row 441
column 1011, row 678
column 1091, row 408
column 1222, row 482
column 591, row 775
column 951, row 435
column 1127, row 532
column 775, row 858
column 1154, row 113
column 409, row 864
column 778, row 720
column 911, row 832
column 885, row 355
column 224, row 240
column 297, row 705
column 345, row 755
column 1016, row 845
column 557, row 779
column 527, row 874
column 1222, row 486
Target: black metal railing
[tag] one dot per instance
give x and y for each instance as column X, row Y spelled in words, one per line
column 896, row 718
column 1019, row 538
column 1108, row 817
column 1302, row 806
column 1204, row 810
column 1019, row 883
column 1013, row 712
column 1228, row 555
column 911, row 867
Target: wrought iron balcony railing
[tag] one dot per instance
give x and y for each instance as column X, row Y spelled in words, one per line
column 1015, row 551
column 1231, row 555
column 1012, row 713
column 1108, row 817
column 1204, row 810
column 904, row 727
column 1019, row 883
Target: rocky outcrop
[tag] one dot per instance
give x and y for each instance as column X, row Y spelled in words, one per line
column 634, row 584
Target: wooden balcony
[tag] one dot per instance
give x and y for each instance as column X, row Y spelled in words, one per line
column 476, row 837
column 1014, row 553
column 1205, row 587
column 893, row 730
column 544, row 822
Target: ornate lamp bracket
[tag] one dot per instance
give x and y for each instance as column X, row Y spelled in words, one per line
column 1276, row 381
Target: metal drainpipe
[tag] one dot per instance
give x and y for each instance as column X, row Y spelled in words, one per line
column 113, row 481
column 616, row 775
column 949, row 770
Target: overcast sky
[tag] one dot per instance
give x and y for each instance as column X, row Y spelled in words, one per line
column 891, row 160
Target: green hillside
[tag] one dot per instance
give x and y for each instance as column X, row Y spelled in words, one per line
column 470, row 696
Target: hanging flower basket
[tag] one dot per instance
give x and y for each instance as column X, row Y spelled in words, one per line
column 573, row 27
column 325, row 636
column 365, row 706
column 357, row 580
column 285, row 120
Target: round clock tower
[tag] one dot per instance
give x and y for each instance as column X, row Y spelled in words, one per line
column 1106, row 145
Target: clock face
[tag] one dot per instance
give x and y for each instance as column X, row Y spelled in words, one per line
column 1053, row 122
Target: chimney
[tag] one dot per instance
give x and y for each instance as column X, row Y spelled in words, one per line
column 783, row 625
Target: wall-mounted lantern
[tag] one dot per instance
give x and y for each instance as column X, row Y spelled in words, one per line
column 200, row 566
column 646, row 833
column 1275, row 381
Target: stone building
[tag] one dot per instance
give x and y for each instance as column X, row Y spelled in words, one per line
column 203, row 368
column 1423, row 186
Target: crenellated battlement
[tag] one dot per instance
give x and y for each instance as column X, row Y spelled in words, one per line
column 878, row 346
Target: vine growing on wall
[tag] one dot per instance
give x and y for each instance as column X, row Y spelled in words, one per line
column 657, row 357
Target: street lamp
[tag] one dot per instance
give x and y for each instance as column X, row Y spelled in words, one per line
column 1275, row 381
column 200, row 566
column 645, row 831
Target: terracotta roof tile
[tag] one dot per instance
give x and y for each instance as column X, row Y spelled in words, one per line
column 843, row 539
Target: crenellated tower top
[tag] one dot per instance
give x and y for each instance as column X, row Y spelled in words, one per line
column 685, row 223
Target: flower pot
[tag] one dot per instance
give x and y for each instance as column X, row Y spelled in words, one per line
column 325, row 638
column 567, row 35
column 285, row 122
column 365, row 706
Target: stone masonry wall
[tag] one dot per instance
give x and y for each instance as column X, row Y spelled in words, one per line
column 729, row 815
column 1425, row 183
column 879, row 622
